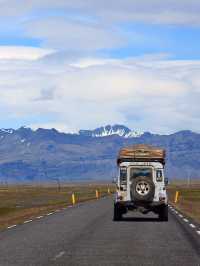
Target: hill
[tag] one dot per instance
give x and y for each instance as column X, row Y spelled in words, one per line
column 47, row 154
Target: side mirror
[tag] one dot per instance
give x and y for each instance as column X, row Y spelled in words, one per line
column 166, row 181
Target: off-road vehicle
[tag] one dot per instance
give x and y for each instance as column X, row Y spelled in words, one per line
column 141, row 185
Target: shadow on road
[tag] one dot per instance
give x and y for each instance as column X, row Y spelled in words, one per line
column 140, row 219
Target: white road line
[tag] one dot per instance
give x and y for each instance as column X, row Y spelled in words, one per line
column 9, row 227
column 192, row 225
column 39, row 217
column 59, row 255
column 185, row 220
column 180, row 215
column 27, row 221
column 49, row 213
column 198, row 232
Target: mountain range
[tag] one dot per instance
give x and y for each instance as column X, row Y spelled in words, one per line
column 28, row 155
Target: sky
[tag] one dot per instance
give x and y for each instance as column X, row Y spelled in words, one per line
column 82, row 64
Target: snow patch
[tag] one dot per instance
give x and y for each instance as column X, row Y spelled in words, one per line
column 9, row 131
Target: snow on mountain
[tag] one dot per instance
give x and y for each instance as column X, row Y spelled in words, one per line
column 4, row 130
column 103, row 131
column 109, row 130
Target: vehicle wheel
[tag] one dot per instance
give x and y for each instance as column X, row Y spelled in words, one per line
column 142, row 189
column 163, row 213
column 117, row 215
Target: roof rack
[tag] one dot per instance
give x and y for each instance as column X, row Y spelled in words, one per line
column 141, row 153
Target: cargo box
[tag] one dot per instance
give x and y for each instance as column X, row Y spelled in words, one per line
column 141, row 153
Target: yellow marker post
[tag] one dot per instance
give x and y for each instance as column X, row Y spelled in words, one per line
column 73, row 199
column 108, row 190
column 97, row 194
column 176, row 197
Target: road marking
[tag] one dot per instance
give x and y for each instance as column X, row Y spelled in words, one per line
column 39, row 217
column 198, row 232
column 49, row 213
column 14, row 225
column 27, row 221
column 59, row 255
column 185, row 220
column 180, row 215
column 57, row 210
column 192, row 225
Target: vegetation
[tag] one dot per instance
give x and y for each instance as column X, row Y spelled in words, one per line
column 18, row 203
column 188, row 200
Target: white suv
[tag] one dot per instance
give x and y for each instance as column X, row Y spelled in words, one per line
column 141, row 186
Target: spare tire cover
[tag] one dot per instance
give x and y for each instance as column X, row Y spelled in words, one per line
column 142, row 189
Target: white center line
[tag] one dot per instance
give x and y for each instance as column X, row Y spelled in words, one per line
column 192, row 225
column 59, row 255
column 14, row 225
column 28, row 221
column 185, row 220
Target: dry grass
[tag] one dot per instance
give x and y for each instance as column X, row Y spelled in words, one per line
column 189, row 199
column 18, row 203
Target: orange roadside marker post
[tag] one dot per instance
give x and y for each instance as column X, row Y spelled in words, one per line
column 176, row 197
column 73, row 199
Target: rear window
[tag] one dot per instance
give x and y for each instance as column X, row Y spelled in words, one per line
column 123, row 174
column 135, row 172
column 159, row 176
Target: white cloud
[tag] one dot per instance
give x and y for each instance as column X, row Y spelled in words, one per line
column 22, row 53
column 66, row 34
column 152, row 11
column 150, row 94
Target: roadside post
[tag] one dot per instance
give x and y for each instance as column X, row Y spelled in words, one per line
column 73, row 199
column 176, row 197
column 108, row 190
column 97, row 194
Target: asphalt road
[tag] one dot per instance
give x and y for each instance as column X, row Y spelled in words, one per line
column 86, row 235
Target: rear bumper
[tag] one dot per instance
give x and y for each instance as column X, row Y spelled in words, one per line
column 135, row 205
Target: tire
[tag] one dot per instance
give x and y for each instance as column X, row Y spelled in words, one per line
column 163, row 213
column 142, row 189
column 117, row 215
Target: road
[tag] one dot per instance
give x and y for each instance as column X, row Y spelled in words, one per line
column 86, row 235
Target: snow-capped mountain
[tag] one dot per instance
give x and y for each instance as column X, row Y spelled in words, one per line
column 109, row 130
column 32, row 155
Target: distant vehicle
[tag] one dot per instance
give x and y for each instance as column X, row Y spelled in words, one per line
column 141, row 185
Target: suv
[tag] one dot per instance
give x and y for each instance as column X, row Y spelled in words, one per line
column 141, row 185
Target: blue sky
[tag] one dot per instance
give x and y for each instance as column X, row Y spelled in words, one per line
column 88, row 63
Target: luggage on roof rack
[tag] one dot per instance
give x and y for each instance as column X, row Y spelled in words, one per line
column 141, row 153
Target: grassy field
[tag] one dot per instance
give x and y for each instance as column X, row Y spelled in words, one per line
column 189, row 199
column 18, row 203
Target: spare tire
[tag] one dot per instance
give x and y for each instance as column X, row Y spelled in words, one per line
column 142, row 189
